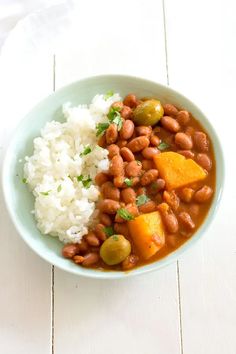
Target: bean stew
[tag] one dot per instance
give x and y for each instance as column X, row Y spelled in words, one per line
column 157, row 191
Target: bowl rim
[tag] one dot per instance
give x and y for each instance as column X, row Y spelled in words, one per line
column 156, row 265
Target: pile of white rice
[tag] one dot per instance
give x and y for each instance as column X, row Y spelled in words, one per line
column 63, row 206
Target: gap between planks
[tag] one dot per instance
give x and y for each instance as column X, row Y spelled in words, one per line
column 177, row 263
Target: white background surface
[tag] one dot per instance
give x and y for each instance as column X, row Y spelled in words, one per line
column 188, row 307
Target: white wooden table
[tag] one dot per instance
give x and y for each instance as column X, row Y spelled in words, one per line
column 190, row 306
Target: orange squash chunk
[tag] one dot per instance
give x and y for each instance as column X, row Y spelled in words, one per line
column 178, row 171
column 147, row 232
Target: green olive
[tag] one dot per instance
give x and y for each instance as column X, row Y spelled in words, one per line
column 148, row 112
column 115, row 249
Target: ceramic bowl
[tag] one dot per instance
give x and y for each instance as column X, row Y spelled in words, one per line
column 19, row 200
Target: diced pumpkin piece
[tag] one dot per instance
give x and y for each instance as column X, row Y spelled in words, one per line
column 177, row 171
column 147, row 232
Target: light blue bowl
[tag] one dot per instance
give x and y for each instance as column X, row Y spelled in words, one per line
column 19, row 200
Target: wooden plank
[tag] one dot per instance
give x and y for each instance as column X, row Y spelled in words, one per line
column 201, row 64
column 137, row 315
column 25, row 295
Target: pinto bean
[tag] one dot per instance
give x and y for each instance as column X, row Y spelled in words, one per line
column 148, row 165
column 111, row 134
column 170, row 110
column 105, row 219
column 204, row 160
column 143, row 130
column 171, row 199
column 122, row 143
column 127, row 129
column 149, row 177
column 113, row 150
column 186, row 153
column 170, row 221
column 92, row 239
column 126, row 112
column 118, row 104
column 78, row 259
column 83, row 246
column 90, row 259
column 133, row 168
column 116, row 166
column 130, row 262
column 155, row 140
column 189, row 131
column 119, row 182
column 70, row 250
column 109, row 191
column 141, row 190
column 135, row 181
column 147, row 207
column 130, row 100
column 150, row 152
column 102, row 141
column 183, row 141
column 109, row 206
column 156, row 186
column 101, row 178
column 194, row 209
column 201, row 142
column 170, row 124
column 186, row 194
column 183, row 117
column 122, row 229
column 131, row 208
column 203, row 194
column 100, row 232
column 128, row 195
column 186, row 220
column 138, row 144
column 127, row 154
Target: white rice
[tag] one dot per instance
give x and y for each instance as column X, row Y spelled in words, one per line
column 63, row 206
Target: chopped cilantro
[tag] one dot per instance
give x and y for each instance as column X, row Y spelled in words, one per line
column 24, row 180
column 59, row 188
column 115, row 117
column 163, row 146
column 142, row 199
column 109, row 231
column 128, row 182
column 86, row 151
column 125, row 214
column 101, row 127
column 80, row 178
column 45, row 193
column 86, row 181
column 108, row 95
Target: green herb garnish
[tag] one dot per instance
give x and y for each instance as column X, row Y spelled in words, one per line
column 142, row 199
column 24, row 180
column 101, row 127
column 45, row 193
column 163, row 146
column 108, row 95
column 59, row 188
column 115, row 117
column 109, row 231
column 128, row 182
column 125, row 214
column 86, row 151
column 86, row 181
